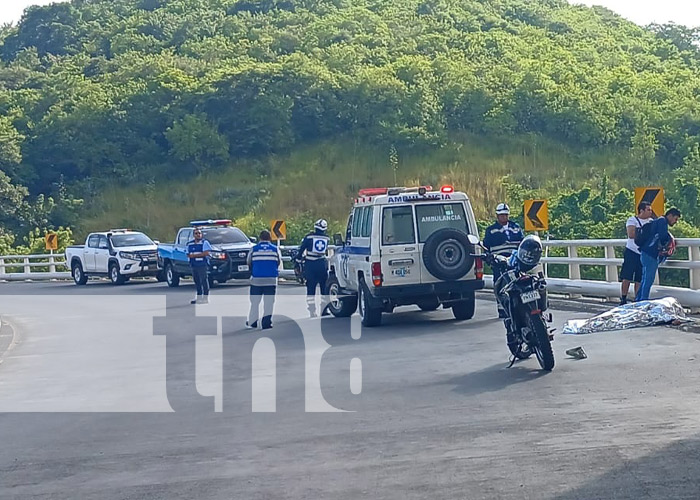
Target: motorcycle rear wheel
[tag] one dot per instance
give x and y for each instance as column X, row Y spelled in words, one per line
column 543, row 347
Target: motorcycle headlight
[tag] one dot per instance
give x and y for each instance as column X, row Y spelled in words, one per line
column 129, row 256
column 217, row 255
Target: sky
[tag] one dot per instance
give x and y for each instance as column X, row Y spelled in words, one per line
column 642, row 12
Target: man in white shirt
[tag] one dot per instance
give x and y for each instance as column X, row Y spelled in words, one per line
column 632, row 264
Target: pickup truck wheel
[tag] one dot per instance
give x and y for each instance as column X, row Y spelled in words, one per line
column 212, row 282
column 78, row 275
column 341, row 305
column 115, row 276
column 371, row 316
column 171, row 276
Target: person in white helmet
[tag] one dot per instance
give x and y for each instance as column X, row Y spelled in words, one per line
column 313, row 249
column 503, row 238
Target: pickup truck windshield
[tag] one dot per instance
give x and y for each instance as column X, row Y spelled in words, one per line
column 131, row 240
column 224, row 235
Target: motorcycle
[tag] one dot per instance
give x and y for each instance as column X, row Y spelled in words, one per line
column 523, row 296
column 298, row 268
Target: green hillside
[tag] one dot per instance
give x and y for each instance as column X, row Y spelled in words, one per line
column 144, row 112
column 321, row 180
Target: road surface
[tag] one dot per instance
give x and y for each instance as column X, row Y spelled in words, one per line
column 429, row 409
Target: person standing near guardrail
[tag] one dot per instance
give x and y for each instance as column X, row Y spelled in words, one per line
column 313, row 249
column 198, row 252
column 264, row 262
column 632, row 260
column 656, row 245
column 502, row 238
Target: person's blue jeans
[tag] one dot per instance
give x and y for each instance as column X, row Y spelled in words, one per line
column 649, row 266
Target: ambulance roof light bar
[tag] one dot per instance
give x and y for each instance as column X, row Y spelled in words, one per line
column 372, row 191
column 447, row 189
column 393, row 191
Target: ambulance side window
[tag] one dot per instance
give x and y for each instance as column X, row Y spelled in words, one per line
column 348, row 231
column 397, row 226
column 357, row 222
column 366, row 230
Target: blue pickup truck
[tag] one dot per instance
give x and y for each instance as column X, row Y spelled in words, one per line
column 228, row 260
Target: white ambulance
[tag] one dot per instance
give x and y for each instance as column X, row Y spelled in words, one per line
column 406, row 246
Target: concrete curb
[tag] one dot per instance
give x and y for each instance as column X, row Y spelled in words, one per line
column 7, row 337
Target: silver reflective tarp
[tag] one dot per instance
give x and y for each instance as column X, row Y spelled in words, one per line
column 638, row 314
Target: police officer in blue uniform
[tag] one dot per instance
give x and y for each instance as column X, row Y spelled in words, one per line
column 503, row 238
column 264, row 261
column 313, row 249
column 198, row 253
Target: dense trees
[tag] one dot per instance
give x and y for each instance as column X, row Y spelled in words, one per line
column 97, row 90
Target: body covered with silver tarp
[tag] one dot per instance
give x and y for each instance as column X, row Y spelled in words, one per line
column 638, row 314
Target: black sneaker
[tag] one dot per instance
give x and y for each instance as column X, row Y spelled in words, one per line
column 623, row 301
column 254, row 326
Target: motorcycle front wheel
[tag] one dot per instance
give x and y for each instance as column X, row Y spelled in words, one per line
column 542, row 347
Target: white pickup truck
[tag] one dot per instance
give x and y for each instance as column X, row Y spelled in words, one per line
column 118, row 254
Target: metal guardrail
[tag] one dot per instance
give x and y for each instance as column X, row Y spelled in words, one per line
column 33, row 267
column 52, row 266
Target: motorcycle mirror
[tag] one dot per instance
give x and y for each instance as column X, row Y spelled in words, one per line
column 474, row 240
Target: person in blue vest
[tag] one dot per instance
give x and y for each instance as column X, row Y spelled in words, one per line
column 198, row 252
column 502, row 238
column 264, row 262
column 658, row 247
column 313, row 250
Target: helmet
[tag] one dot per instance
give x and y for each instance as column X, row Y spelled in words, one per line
column 321, row 224
column 502, row 209
column 529, row 252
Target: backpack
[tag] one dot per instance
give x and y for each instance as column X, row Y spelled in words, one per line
column 643, row 234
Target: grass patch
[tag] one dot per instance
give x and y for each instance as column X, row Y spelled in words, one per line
column 320, row 180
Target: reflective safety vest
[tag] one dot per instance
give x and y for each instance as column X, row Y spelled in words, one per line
column 316, row 246
column 503, row 239
column 193, row 247
column 264, row 260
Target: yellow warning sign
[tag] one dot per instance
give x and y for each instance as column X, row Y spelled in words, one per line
column 654, row 195
column 51, row 240
column 278, row 230
column 536, row 215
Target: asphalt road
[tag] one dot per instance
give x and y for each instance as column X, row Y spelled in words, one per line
column 90, row 379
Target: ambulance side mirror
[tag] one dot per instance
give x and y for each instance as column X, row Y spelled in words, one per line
column 253, row 239
column 474, row 240
column 338, row 240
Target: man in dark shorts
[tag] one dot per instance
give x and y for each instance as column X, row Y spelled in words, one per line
column 632, row 263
